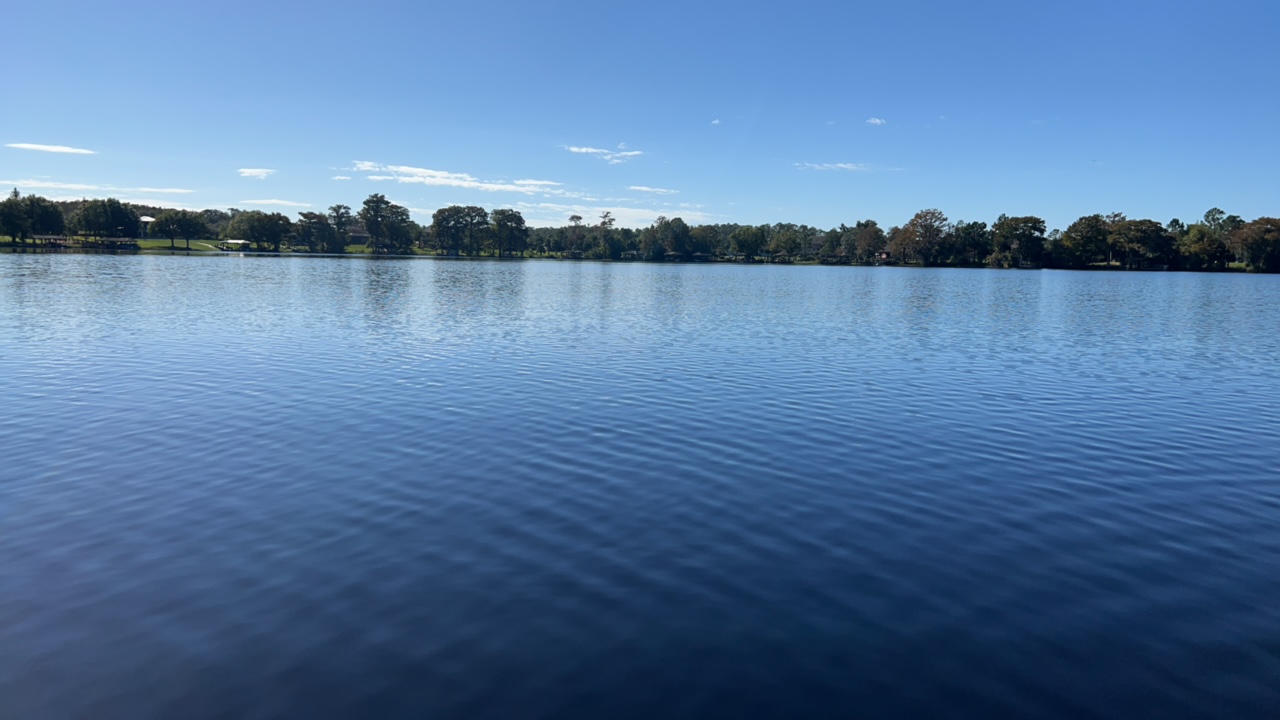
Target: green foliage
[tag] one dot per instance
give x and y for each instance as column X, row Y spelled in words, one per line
column 460, row 228
column 509, row 231
column 921, row 239
column 1084, row 242
column 14, row 221
column 44, row 216
column 107, row 218
column 390, row 229
column 864, row 241
column 340, row 220
column 183, row 224
column 786, row 239
column 1142, row 240
column 969, row 243
column 1202, row 248
column 265, row 231
column 1260, row 241
column 1218, row 242
column 314, row 232
column 749, row 240
column 1017, row 240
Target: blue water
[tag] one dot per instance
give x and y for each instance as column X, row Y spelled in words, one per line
column 242, row 487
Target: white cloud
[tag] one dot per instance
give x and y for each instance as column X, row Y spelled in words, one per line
column 341, row 177
column 876, row 121
column 280, row 203
column 48, row 184
column 52, row 185
column 156, row 202
column 444, row 178
column 716, row 121
column 549, row 214
column 257, row 173
column 654, row 190
column 613, row 157
column 851, row 167
column 51, row 148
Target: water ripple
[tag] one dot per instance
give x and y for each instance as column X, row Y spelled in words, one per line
column 313, row 487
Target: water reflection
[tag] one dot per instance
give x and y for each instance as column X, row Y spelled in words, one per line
column 368, row 487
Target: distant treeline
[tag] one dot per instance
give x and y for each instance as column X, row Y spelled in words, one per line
column 1215, row 242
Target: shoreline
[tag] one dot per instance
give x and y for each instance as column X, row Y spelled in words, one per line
column 11, row 248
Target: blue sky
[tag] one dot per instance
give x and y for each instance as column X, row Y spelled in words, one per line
column 806, row 112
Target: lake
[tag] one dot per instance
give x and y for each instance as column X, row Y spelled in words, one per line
column 260, row 487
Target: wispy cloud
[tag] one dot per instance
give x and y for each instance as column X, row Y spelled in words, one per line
column 278, row 203
column 654, row 190
column 613, row 157
column 444, row 178
column 52, row 148
column 86, row 187
column 555, row 214
column 257, row 173
column 849, row 167
column 341, row 177
column 155, row 202
column 877, row 121
column 716, row 121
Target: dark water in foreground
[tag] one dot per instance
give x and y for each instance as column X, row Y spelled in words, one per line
column 264, row 487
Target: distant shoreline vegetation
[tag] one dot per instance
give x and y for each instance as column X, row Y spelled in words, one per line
column 1217, row 242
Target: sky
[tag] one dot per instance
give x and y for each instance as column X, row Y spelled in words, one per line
column 809, row 112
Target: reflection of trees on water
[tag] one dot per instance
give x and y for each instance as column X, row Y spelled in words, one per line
column 386, row 281
column 464, row 290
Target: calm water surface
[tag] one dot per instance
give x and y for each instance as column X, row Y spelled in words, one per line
column 303, row 487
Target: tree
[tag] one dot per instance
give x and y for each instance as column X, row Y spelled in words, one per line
column 748, row 240
column 786, row 239
column 575, row 233
column 14, row 221
column 266, row 231
column 969, row 243
column 184, row 224
column 607, row 244
column 1201, row 248
column 833, row 240
column 314, row 231
column 1142, row 240
column 446, row 226
column 1017, row 240
column 704, row 239
column 340, row 221
column 924, row 234
column 374, row 215
column 106, row 218
column 44, row 217
column 509, row 231
column 1260, row 241
column 166, row 226
column 1085, row 241
column 474, row 224
column 864, row 241
column 397, row 232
